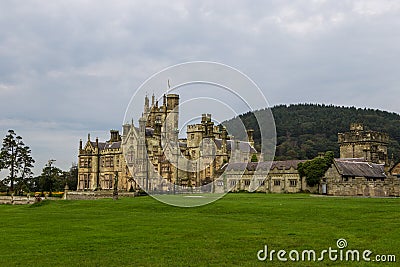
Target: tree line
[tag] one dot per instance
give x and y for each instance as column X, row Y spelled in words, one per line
column 16, row 158
column 305, row 130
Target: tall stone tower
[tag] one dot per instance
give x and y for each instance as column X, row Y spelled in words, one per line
column 172, row 117
column 360, row 143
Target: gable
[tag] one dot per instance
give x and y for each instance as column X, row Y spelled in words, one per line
column 396, row 170
column 89, row 147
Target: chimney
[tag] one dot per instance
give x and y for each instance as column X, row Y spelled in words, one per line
column 224, row 137
column 97, row 142
column 250, row 136
column 114, row 136
column 88, row 136
column 203, row 118
column 157, row 128
column 80, row 144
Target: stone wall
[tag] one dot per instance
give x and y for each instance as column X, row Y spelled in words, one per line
column 17, row 200
column 85, row 195
column 389, row 188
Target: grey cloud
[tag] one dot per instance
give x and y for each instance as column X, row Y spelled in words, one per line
column 76, row 64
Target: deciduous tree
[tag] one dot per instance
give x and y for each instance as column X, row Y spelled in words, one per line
column 313, row 170
column 51, row 178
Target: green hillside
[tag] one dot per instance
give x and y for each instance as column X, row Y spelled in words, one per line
column 303, row 130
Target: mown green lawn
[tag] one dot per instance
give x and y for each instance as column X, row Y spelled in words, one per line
column 229, row 232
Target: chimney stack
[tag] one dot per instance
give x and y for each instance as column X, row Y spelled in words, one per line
column 250, row 136
column 224, row 137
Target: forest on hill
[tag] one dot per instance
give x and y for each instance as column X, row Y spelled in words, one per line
column 304, row 130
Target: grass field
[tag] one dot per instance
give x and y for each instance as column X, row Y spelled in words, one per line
column 144, row 232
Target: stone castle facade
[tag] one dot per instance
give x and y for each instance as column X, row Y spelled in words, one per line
column 360, row 143
column 364, row 168
column 153, row 157
column 99, row 163
column 156, row 158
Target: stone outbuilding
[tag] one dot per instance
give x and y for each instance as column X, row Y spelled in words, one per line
column 357, row 177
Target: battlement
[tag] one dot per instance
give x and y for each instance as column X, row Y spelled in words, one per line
column 356, row 127
column 195, row 128
column 366, row 144
column 172, row 101
column 363, row 136
column 205, row 118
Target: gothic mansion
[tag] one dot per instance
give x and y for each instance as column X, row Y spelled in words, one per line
column 152, row 157
column 152, row 165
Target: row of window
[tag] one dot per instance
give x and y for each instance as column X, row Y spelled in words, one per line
column 352, row 179
column 292, row 183
column 106, row 181
column 85, row 162
column 84, row 181
column 104, row 162
column 108, row 162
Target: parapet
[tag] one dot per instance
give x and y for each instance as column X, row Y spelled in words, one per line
column 358, row 134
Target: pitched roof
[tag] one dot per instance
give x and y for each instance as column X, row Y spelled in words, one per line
column 360, row 168
column 286, row 164
column 243, row 146
column 107, row 145
column 263, row 165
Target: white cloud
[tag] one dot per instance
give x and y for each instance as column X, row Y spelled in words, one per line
column 6, row 87
column 376, row 7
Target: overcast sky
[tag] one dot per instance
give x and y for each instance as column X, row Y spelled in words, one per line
column 70, row 67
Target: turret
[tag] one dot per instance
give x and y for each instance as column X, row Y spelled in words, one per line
column 146, row 104
column 142, row 124
column 172, row 101
column 360, row 143
column 224, row 137
column 356, row 127
column 157, row 126
column 250, row 136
